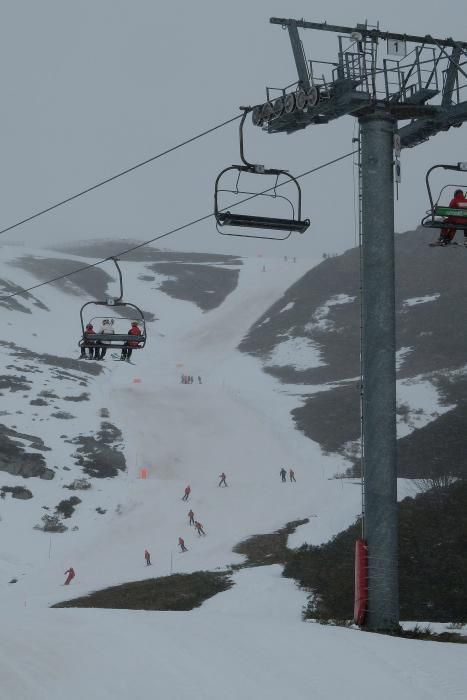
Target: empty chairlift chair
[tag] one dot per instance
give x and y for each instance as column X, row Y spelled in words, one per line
column 253, row 225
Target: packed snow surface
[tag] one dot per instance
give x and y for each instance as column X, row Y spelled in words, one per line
column 248, row 642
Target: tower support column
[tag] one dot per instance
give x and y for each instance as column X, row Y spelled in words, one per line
column 379, row 371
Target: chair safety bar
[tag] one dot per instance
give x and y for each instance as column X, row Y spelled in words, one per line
column 461, row 213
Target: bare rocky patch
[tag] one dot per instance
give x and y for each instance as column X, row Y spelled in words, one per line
column 81, row 397
column 38, row 402
column 14, row 383
column 14, row 458
column 66, row 508
column 20, row 492
column 100, row 455
column 62, row 365
column 14, row 303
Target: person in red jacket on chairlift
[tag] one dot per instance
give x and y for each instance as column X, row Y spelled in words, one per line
column 446, row 237
column 131, row 344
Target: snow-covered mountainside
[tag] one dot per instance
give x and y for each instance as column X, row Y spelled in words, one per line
column 66, row 419
column 310, row 338
column 68, row 423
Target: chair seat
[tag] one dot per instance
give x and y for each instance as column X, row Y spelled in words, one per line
column 262, row 222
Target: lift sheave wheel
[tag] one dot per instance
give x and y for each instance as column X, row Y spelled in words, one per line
column 119, row 316
column 251, row 222
column 442, row 215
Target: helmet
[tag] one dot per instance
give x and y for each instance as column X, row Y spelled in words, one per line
column 134, row 323
column 105, row 321
column 89, row 325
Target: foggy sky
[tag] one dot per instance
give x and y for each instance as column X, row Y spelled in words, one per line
column 91, row 87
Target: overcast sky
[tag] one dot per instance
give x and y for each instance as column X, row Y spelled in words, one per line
column 91, row 87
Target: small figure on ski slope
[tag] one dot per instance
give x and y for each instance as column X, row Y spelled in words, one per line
column 199, row 528
column 88, row 343
column 199, row 380
column 71, row 575
column 283, row 474
column 447, row 234
column 292, row 475
column 191, row 517
column 222, row 481
column 107, row 327
column 131, row 344
column 186, row 495
column 147, row 556
column 181, row 544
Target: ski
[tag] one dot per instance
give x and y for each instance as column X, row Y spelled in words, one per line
column 117, row 358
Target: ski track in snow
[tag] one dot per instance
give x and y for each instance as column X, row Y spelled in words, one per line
column 248, row 642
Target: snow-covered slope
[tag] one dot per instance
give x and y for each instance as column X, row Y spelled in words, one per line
column 248, row 642
column 235, row 421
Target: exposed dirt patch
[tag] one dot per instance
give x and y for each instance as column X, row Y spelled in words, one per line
column 176, row 592
column 270, row 548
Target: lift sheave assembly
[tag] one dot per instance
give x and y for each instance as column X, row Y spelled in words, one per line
column 115, row 306
column 252, row 224
column 436, row 216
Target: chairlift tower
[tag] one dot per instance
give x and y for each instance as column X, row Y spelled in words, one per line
column 382, row 79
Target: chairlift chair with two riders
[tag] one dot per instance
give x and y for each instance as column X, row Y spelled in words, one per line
column 440, row 216
column 115, row 306
column 284, row 226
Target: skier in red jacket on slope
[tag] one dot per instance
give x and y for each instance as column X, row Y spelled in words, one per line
column 71, row 575
column 199, row 528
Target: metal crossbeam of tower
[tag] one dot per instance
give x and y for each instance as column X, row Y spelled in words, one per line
column 382, row 79
column 418, row 79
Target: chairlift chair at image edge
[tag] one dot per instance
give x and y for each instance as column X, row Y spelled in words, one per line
column 224, row 217
column 115, row 340
column 436, row 215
